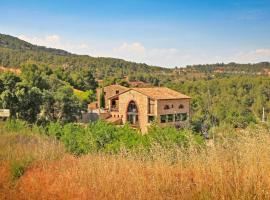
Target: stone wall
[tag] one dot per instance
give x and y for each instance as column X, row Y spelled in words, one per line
column 109, row 91
column 142, row 104
column 174, row 108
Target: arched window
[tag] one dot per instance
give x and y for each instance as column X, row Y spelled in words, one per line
column 181, row 106
column 132, row 113
column 166, row 107
column 132, row 108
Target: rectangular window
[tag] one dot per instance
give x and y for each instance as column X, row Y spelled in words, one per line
column 151, row 119
column 117, row 92
column 178, row 117
column 184, row 116
column 163, row 118
column 170, row 117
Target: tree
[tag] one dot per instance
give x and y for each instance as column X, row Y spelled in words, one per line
column 66, row 106
column 102, row 99
column 8, row 99
column 29, row 102
column 83, row 80
column 35, row 76
column 47, row 110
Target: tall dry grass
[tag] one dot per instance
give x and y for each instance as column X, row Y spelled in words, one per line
column 236, row 167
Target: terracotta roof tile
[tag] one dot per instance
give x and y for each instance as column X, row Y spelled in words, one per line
column 158, row 93
column 161, row 93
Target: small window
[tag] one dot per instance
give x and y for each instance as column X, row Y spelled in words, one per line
column 166, row 107
column 172, row 106
column 170, row 118
column 151, row 119
column 163, row 118
column 184, row 116
column 178, row 117
column 181, row 106
column 117, row 91
column 104, row 93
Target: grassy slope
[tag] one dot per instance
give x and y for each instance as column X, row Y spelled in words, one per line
column 233, row 169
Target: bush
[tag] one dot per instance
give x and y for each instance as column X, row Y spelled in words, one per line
column 55, row 129
column 108, row 138
column 168, row 137
column 15, row 125
column 75, row 139
column 18, row 167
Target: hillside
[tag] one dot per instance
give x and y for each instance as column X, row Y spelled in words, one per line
column 15, row 52
column 233, row 68
column 10, row 42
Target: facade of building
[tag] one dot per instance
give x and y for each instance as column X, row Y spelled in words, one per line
column 141, row 106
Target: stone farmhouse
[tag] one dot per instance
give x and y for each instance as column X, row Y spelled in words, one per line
column 141, row 106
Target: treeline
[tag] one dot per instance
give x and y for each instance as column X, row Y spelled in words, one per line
column 235, row 101
column 231, row 67
column 41, row 95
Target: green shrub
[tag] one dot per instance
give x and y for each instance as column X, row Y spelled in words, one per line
column 55, row 129
column 16, row 126
column 108, row 138
column 18, row 167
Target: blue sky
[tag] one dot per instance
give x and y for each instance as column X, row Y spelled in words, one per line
column 158, row 32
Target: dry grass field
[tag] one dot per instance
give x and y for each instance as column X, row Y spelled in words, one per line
column 236, row 167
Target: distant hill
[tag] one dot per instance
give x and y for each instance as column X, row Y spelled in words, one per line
column 15, row 52
column 257, row 68
column 10, row 42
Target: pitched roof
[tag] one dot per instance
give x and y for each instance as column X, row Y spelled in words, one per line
column 116, row 86
column 161, row 93
column 158, row 93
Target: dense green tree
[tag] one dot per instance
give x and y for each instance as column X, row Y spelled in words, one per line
column 8, row 98
column 67, row 106
column 102, row 99
column 29, row 102
column 84, row 80
column 35, row 76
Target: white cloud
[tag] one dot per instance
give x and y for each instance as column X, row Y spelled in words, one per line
column 55, row 41
column 49, row 40
column 135, row 47
column 257, row 55
column 52, row 38
column 83, row 46
column 137, row 52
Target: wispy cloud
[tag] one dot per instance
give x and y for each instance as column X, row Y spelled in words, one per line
column 136, row 51
column 257, row 55
column 55, row 41
column 133, row 48
column 49, row 40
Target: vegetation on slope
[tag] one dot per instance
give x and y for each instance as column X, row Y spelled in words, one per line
column 236, row 101
column 42, row 95
column 232, row 67
column 236, row 167
column 15, row 52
